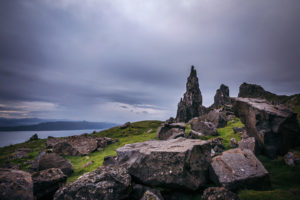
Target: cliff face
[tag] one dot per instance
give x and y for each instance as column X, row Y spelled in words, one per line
column 191, row 104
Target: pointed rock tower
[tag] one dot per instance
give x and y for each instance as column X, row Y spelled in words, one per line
column 222, row 96
column 191, row 104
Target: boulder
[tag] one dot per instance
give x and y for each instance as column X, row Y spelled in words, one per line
column 51, row 160
column 233, row 143
column 238, row 130
column 274, row 127
column 15, row 184
column 289, row 159
column 195, row 135
column 176, row 163
column 125, row 125
column 222, row 96
column 34, row 137
column 207, row 128
column 105, row 183
column 190, row 105
column 216, row 117
column 249, row 143
column 78, row 144
column 46, row 182
column 218, row 193
column 170, row 131
column 150, row 195
column 237, row 169
column 217, row 146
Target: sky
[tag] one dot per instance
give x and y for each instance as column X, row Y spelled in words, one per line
column 128, row 60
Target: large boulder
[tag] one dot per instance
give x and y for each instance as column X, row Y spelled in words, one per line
column 222, row 96
column 46, row 182
column 105, row 183
column 218, row 193
column 190, row 105
column 236, row 169
column 176, row 163
column 274, row 126
column 204, row 127
column 170, row 131
column 78, row 144
column 216, row 116
column 249, row 143
column 51, row 160
column 15, row 184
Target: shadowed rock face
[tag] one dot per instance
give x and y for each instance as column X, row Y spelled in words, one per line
column 222, row 96
column 274, row 127
column 171, row 131
column 105, row 183
column 236, row 169
column 46, row 182
column 191, row 104
column 15, row 184
column 177, row 163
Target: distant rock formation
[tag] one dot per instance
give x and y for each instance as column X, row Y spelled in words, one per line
column 191, row 104
column 222, row 96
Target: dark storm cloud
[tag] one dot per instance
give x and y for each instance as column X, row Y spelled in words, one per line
column 117, row 60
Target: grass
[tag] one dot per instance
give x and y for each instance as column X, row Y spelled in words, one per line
column 136, row 132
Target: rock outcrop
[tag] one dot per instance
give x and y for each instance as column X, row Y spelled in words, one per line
column 170, row 131
column 191, row 104
column 222, row 96
column 218, row 193
column 51, row 160
column 274, row 127
column 237, row 169
column 204, row 127
column 176, row 163
column 47, row 182
column 105, row 183
column 15, row 184
column 216, row 116
column 249, row 143
column 78, row 144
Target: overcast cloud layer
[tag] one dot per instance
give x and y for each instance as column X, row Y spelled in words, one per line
column 128, row 60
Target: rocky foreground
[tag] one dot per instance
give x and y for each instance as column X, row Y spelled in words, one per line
column 190, row 155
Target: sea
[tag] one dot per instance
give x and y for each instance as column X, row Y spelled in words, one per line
column 15, row 137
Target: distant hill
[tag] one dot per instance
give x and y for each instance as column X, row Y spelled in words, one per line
column 59, row 125
column 23, row 121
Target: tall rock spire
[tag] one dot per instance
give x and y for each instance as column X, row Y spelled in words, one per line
column 222, row 96
column 191, row 104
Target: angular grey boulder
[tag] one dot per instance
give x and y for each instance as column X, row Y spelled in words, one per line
column 15, row 184
column 275, row 128
column 236, row 169
column 207, row 128
column 176, row 163
column 171, row 131
column 47, row 182
column 105, row 183
column 218, row 193
column 51, row 160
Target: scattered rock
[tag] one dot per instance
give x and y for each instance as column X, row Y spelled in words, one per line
column 289, row 159
column 78, row 144
column 51, row 160
column 218, row 193
column 15, row 184
column 138, row 192
column 110, row 160
column 34, row 137
column 107, row 183
column 237, row 169
column 207, row 128
column 191, row 104
column 233, row 143
column 21, row 153
column 274, row 127
column 249, row 143
column 222, row 96
column 217, row 146
column 150, row 195
column 238, row 130
column 195, row 135
column 89, row 163
column 176, row 163
column 171, row 131
column 46, row 182
column 126, row 125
